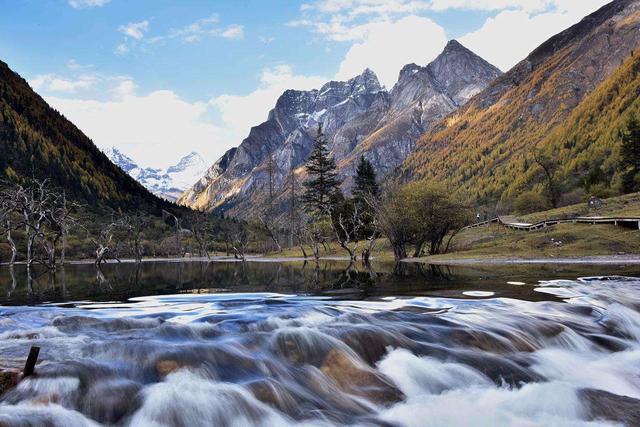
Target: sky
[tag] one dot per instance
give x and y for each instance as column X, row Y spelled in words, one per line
column 159, row 79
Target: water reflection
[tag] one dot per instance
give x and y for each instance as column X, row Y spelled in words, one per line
column 118, row 282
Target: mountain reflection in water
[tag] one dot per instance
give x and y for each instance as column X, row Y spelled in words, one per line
column 190, row 344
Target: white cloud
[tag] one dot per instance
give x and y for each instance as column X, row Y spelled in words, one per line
column 239, row 112
column 83, row 4
column 135, row 30
column 388, row 34
column 160, row 127
column 121, row 49
column 352, row 9
column 388, row 46
column 54, row 83
column 233, row 32
column 125, row 87
column 190, row 33
column 155, row 129
column 511, row 35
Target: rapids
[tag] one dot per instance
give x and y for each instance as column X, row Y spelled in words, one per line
column 563, row 356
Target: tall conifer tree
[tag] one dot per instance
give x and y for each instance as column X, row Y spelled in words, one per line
column 323, row 182
column 366, row 180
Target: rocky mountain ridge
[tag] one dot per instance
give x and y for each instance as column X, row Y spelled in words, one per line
column 358, row 117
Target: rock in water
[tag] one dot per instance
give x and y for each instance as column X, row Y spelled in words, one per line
column 8, row 380
column 357, row 378
column 602, row 405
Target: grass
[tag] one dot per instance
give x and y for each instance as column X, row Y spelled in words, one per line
column 562, row 240
column 559, row 241
column 627, row 205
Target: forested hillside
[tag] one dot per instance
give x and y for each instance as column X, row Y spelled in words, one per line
column 38, row 142
column 566, row 100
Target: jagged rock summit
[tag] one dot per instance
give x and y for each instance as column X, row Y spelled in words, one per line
column 358, row 117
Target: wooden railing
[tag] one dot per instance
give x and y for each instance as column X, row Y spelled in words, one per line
column 512, row 222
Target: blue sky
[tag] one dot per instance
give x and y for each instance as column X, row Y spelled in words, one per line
column 161, row 78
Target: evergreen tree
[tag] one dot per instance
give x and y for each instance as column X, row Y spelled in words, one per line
column 366, row 187
column 366, row 184
column 323, row 182
column 630, row 153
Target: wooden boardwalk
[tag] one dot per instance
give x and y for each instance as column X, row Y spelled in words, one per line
column 513, row 223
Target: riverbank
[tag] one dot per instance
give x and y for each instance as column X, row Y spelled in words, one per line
column 449, row 259
column 589, row 260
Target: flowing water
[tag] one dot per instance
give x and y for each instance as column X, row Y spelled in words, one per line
column 234, row 344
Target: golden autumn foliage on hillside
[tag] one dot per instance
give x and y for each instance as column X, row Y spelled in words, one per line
column 568, row 101
column 494, row 164
column 38, row 142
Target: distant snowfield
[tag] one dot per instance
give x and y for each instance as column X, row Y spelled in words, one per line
column 167, row 183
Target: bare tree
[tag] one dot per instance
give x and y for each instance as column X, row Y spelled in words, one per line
column 201, row 229
column 34, row 202
column 346, row 223
column 272, row 226
column 315, row 233
column 549, row 167
column 66, row 218
column 292, row 204
column 7, row 223
column 105, row 242
column 60, row 220
column 240, row 240
column 268, row 217
column 135, row 226
column 178, row 228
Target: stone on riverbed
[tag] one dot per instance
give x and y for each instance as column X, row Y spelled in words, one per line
column 602, row 405
column 357, row 378
column 8, row 380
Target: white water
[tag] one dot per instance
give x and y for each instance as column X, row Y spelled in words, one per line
column 272, row 359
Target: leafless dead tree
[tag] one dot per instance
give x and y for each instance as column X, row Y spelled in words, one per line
column 201, row 229
column 8, row 224
column 105, row 242
column 178, row 228
column 272, row 225
column 241, row 238
column 315, row 234
column 135, row 226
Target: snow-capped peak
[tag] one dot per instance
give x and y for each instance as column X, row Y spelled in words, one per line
column 167, row 183
column 120, row 159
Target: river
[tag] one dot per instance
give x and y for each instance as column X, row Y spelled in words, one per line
column 268, row 344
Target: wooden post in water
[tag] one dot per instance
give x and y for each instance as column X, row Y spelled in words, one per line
column 29, row 367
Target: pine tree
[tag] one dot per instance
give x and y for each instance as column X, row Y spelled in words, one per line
column 366, row 184
column 630, row 153
column 323, row 181
column 366, row 188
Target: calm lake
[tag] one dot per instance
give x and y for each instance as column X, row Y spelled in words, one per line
column 255, row 343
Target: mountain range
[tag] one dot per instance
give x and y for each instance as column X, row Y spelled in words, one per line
column 167, row 183
column 358, row 117
column 457, row 120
